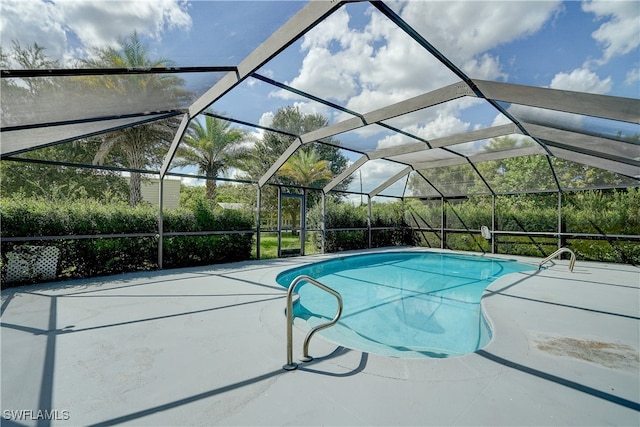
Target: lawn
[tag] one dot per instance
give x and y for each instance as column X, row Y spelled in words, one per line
column 269, row 244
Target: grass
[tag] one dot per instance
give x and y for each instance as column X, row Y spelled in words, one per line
column 269, row 244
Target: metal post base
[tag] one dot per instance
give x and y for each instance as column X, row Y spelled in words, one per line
column 290, row 366
column 306, row 359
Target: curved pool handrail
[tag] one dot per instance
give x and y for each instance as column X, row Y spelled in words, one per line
column 305, row 348
column 572, row 261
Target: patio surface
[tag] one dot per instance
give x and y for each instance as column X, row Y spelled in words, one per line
column 205, row 346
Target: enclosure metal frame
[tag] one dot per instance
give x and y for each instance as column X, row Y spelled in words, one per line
column 551, row 140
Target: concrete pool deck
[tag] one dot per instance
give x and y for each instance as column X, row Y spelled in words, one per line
column 206, row 345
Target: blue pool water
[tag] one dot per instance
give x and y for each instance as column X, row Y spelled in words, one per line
column 402, row 304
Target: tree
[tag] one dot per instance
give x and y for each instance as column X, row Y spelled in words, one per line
column 293, row 122
column 144, row 145
column 34, row 179
column 237, row 193
column 306, row 168
column 514, row 174
column 214, row 147
column 454, row 180
column 19, row 95
column 266, row 150
column 53, row 182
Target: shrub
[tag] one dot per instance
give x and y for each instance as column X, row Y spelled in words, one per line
column 347, row 222
column 87, row 257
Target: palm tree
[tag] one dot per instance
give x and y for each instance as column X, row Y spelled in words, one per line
column 306, row 168
column 214, row 147
column 144, row 145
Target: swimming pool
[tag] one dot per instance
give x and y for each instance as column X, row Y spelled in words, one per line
column 402, row 304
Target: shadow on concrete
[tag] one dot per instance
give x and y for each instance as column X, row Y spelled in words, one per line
column 53, row 331
column 562, row 381
column 250, row 381
column 45, row 402
column 187, row 400
column 500, row 292
column 337, row 352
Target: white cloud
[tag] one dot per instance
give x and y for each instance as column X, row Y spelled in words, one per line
column 337, row 82
column 484, row 67
column 620, row 34
column 337, row 23
column 395, row 140
column 582, row 80
column 29, row 22
column 364, row 69
column 369, row 67
column 500, row 119
column 193, row 182
column 436, row 121
column 59, row 26
column 552, row 118
column 442, row 125
column 374, row 173
column 633, row 76
column 466, row 30
column 308, row 108
column 266, row 119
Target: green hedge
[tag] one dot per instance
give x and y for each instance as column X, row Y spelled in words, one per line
column 346, row 216
column 612, row 212
column 103, row 256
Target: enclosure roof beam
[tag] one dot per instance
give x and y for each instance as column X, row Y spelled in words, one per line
column 429, row 99
column 184, row 123
column 604, row 106
column 602, row 145
column 476, row 135
column 484, row 157
column 281, row 161
column 345, row 173
column 389, row 152
column 20, row 139
column 466, row 80
column 309, row 16
column 404, row 172
column 78, row 72
column 597, row 155
column 632, row 171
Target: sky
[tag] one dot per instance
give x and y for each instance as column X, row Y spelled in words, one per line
column 357, row 58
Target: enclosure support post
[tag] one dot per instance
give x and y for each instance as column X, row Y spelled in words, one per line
column 403, row 224
column 323, row 227
column 494, row 243
column 443, row 220
column 560, row 237
column 258, row 219
column 160, row 221
column 369, row 219
column 279, row 221
column 303, row 221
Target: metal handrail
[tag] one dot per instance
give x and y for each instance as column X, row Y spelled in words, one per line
column 572, row 261
column 305, row 348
